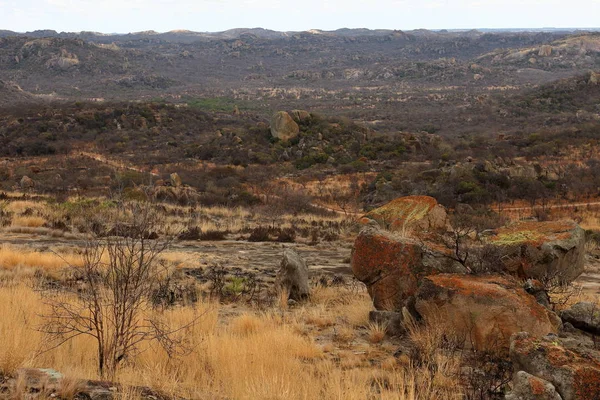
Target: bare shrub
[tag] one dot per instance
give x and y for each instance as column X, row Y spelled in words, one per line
column 119, row 273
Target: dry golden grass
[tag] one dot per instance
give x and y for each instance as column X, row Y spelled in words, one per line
column 376, row 332
column 12, row 258
column 250, row 356
column 19, row 207
column 28, row 221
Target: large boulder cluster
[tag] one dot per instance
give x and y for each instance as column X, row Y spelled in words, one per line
column 406, row 270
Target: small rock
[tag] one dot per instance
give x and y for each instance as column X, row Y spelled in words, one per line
column 293, row 276
column 27, row 182
column 529, row 387
column 584, row 316
column 175, row 179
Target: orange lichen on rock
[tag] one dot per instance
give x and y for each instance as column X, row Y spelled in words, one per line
column 387, row 266
column 483, row 310
column 575, row 376
column 537, row 387
column 408, row 213
column 542, row 250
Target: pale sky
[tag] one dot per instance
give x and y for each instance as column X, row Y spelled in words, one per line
column 122, row 16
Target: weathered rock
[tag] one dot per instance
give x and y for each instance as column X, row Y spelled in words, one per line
column 175, row 179
column 483, row 310
column 293, row 276
column 410, row 213
column 283, row 127
column 392, row 267
column 575, row 377
column 392, row 320
column 529, row 387
column 300, row 115
column 542, row 250
column 584, row 316
column 537, row 290
column 27, row 182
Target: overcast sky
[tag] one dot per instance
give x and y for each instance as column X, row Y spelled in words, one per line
column 122, row 16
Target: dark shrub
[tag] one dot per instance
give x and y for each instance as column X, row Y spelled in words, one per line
column 287, row 235
column 192, row 233
column 213, row 235
column 259, row 234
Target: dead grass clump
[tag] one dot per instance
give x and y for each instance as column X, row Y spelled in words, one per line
column 13, row 258
column 376, row 332
column 246, row 324
column 29, row 221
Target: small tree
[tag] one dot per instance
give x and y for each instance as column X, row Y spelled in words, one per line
column 119, row 273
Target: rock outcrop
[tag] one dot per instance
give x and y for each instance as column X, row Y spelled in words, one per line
column 545, row 51
column 584, row 316
column 575, row 376
column 484, row 311
column 410, row 213
column 529, row 387
column 283, row 127
column 27, row 182
column 292, row 276
column 542, row 250
column 175, row 180
column 392, row 266
column 300, row 115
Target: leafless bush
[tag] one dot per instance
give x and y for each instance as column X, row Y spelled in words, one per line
column 113, row 304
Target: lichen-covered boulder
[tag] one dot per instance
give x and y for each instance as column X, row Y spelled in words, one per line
column 392, row 266
column 574, row 376
column 584, row 316
column 283, row 127
column 542, row 250
column 529, row 387
column 410, row 213
column 484, row 311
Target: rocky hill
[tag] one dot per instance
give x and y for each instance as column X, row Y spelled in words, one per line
column 46, row 62
column 11, row 93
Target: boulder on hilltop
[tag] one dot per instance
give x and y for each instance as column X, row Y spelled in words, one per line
column 283, row 127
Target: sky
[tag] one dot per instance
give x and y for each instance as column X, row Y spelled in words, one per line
column 123, row 16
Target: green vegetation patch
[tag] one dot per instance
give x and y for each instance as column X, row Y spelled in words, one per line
column 517, row 237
